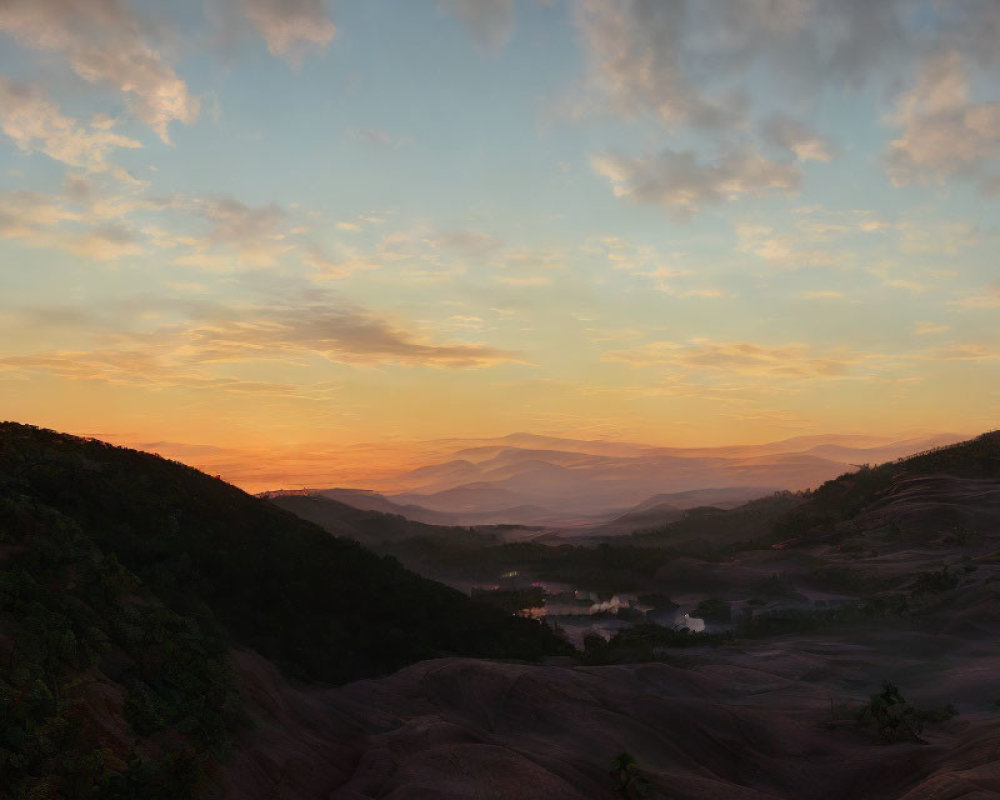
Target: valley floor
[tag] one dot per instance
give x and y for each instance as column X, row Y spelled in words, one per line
column 913, row 577
column 732, row 722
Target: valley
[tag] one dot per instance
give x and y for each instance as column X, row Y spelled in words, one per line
column 729, row 652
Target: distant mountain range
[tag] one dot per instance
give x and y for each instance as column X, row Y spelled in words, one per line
column 571, row 483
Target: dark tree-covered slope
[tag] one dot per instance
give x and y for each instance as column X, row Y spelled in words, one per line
column 847, row 496
column 322, row 607
column 125, row 579
column 104, row 692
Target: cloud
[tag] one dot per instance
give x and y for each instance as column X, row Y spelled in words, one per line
column 79, row 228
column 218, row 233
column 787, row 252
column 943, row 132
column 376, row 138
column 24, row 214
column 645, row 262
column 213, row 336
column 424, row 255
column 236, row 222
column 802, row 43
column 682, row 184
column 638, row 259
column 34, row 123
column 930, row 329
column 527, row 258
column 744, row 358
column 135, row 367
column 529, row 280
column 961, row 352
column 937, row 237
column 106, row 44
column 238, row 234
column 343, row 334
column 107, row 226
column 913, row 287
column 106, row 243
column 988, row 297
column 798, row 139
column 699, row 66
column 688, row 62
column 701, row 359
column 289, row 27
column 780, row 250
column 814, row 240
column 633, row 52
column 708, row 294
column 468, row 242
column 331, row 268
column 491, row 22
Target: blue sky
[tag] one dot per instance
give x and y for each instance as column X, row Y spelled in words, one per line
column 252, row 221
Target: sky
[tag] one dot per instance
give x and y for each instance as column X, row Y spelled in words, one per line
column 310, row 232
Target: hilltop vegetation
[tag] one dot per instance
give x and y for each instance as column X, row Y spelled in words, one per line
column 844, row 497
column 323, row 607
column 710, row 531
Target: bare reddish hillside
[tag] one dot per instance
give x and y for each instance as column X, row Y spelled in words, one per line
column 459, row 728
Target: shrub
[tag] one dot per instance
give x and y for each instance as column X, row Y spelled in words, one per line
column 630, row 782
column 895, row 718
column 713, row 609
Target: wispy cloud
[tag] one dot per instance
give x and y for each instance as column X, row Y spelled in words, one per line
column 491, row 22
column 683, row 184
column 798, row 139
column 679, row 59
column 86, row 229
column 377, row 138
column 107, row 44
column 938, row 236
column 214, row 336
column 789, row 251
column 930, row 329
column 633, row 50
column 744, row 358
column 35, row 124
column 792, row 362
column 531, row 280
column 105, row 243
column 988, row 297
column 290, row 28
column 943, row 132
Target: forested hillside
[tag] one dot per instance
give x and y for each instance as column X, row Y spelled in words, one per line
column 124, row 579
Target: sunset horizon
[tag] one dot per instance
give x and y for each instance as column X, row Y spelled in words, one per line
column 379, row 465
column 393, row 222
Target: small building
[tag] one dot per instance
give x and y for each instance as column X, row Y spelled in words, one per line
column 693, row 624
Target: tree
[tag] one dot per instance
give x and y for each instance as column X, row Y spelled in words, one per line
column 630, row 783
column 896, row 719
